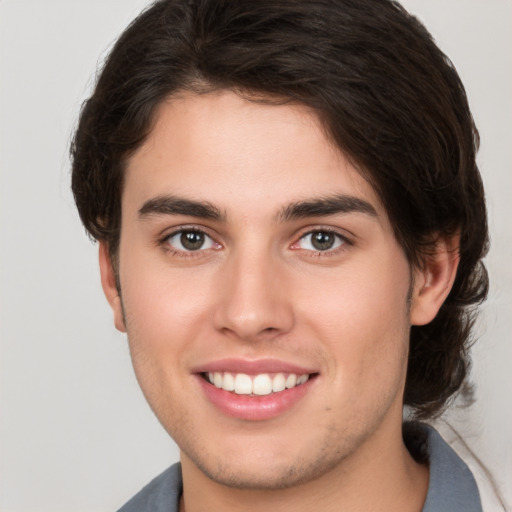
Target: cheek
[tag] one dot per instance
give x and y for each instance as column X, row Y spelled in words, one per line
column 361, row 317
column 359, row 299
column 164, row 310
column 163, row 315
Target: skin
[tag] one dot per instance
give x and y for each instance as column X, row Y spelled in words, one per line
column 259, row 289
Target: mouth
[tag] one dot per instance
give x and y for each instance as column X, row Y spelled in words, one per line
column 256, row 385
column 255, row 390
column 260, row 389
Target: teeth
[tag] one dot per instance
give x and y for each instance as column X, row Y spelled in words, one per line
column 217, row 380
column 262, row 384
column 243, row 384
column 291, row 381
column 302, row 379
column 279, row 383
column 228, row 382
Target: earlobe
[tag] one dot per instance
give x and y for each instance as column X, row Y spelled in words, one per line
column 109, row 285
column 433, row 282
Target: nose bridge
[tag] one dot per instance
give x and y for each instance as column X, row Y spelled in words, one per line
column 253, row 302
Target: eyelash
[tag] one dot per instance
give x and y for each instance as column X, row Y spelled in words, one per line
column 344, row 242
column 168, row 248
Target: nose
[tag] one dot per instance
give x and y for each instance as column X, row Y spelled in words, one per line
column 254, row 301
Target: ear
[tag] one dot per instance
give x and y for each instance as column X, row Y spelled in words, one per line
column 434, row 280
column 109, row 284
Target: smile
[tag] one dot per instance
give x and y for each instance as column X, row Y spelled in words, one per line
column 255, row 390
column 258, row 385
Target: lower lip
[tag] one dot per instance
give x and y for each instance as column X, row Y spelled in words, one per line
column 250, row 407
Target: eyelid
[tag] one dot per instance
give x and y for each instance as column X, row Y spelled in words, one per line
column 163, row 240
column 340, row 234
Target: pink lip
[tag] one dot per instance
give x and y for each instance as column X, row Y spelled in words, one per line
column 253, row 367
column 249, row 407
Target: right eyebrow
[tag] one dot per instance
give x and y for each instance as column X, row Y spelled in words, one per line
column 324, row 206
column 173, row 205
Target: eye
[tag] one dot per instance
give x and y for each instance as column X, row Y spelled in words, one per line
column 189, row 240
column 320, row 240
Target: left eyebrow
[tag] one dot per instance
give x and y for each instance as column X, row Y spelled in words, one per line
column 173, row 205
column 324, row 206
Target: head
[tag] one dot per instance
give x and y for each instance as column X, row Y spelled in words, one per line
column 382, row 94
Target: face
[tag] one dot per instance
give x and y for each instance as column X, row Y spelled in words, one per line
column 265, row 297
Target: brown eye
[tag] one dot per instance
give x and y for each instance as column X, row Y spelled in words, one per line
column 190, row 240
column 321, row 241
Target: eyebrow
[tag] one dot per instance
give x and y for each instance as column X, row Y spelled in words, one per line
column 172, row 205
column 323, row 206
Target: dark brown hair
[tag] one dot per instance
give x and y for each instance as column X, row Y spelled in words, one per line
column 388, row 97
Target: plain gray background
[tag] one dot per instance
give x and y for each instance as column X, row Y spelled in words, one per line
column 75, row 431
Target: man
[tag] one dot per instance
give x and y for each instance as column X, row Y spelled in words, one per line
column 291, row 226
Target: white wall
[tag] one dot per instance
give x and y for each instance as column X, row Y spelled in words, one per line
column 75, row 431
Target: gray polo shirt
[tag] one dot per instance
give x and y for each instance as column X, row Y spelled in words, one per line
column 451, row 488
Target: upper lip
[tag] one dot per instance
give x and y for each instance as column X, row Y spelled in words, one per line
column 252, row 367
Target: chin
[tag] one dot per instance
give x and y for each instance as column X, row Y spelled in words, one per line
column 265, row 479
column 264, row 473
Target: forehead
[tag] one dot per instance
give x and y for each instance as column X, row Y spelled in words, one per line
column 225, row 148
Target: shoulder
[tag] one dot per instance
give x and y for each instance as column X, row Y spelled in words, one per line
column 452, row 486
column 162, row 494
column 488, row 489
